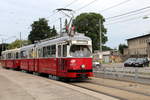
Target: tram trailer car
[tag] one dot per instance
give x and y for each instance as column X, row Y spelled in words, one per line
column 62, row 57
column 10, row 59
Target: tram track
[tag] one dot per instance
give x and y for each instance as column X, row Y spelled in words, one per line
column 98, row 91
column 115, row 87
column 121, row 93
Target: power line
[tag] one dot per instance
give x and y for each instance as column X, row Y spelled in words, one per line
column 114, row 6
column 134, row 18
column 63, row 7
column 132, row 14
column 86, row 5
column 128, row 13
column 71, row 3
column 79, row 8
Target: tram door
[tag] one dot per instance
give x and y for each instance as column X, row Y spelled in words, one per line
column 61, row 61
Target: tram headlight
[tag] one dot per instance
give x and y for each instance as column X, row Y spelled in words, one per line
column 83, row 66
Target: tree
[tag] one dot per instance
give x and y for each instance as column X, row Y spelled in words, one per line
column 41, row 30
column 53, row 32
column 18, row 44
column 88, row 23
column 121, row 47
column 3, row 47
column 105, row 48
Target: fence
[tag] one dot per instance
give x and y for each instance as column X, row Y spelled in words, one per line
column 134, row 74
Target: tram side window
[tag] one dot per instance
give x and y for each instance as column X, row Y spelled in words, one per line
column 64, row 50
column 32, row 53
column 53, row 50
column 40, row 53
column 17, row 55
column 9, row 56
column 3, row 56
column 23, row 54
column 44, row 52
column 48, row 51
column 59, row 50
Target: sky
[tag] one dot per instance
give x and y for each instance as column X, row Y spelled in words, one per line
column 16, row 16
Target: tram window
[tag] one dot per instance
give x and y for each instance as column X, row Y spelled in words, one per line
column 44, row 52
column 53, row 50
column 9, row 55
column 59, row 50
column 17, row 55
column 40, row 53
column 30, row 54
column 80, row 51
column 64, row 50
column 23, row 54
column 48, row 51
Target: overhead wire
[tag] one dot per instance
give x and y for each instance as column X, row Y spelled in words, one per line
column 134, row 18
column 64, row 7
column 114, row 6
column 130, row 15
column 148, row 7
column 86, row 5
column 71, row 3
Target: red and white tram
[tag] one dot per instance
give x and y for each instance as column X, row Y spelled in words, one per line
column 59, row 57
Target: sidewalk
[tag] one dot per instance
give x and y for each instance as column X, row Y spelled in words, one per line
column 22, row 86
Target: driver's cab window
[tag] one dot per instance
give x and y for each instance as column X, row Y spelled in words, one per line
column 65, row 50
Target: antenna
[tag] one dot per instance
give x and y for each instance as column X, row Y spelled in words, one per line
column 69, row 13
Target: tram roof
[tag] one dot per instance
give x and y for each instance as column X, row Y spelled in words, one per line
column 27, row 47
column 11, row 50
column 65, row 38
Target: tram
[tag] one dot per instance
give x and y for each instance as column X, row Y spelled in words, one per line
column 66, row 56
column 59, row 57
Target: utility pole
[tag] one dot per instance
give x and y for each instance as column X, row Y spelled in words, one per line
column 100, row 35
column 20, row 40
column 60, row 26
column 2, row 44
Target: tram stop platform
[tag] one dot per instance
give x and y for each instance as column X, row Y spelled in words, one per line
column 15, row 85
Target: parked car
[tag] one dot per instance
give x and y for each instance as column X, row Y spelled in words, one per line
column 96, row 64
column 129, row 62
column 141, row 62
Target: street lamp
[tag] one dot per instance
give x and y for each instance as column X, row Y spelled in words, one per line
column 100, row 34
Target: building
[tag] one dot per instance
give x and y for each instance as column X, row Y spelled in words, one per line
column 138, row 46
column 112, row 56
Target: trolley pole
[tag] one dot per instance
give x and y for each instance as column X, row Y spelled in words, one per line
column 60, row 26
column 100, row 35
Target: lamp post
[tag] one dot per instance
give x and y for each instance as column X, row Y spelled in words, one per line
column 100, row 35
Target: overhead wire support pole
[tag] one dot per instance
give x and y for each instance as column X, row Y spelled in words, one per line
column 2, row 44
column 60, row 26
column 20, row 40
column 100, row 34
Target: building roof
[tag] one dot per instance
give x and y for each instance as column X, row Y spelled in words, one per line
column 139, row 37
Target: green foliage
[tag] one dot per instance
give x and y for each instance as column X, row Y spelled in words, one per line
column 121, row 47
column 3, row 47
column 88, row 23
column 105, row 48
column 18, row 44
column 41, row 30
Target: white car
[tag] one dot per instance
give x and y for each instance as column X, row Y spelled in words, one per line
column 96, row 64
